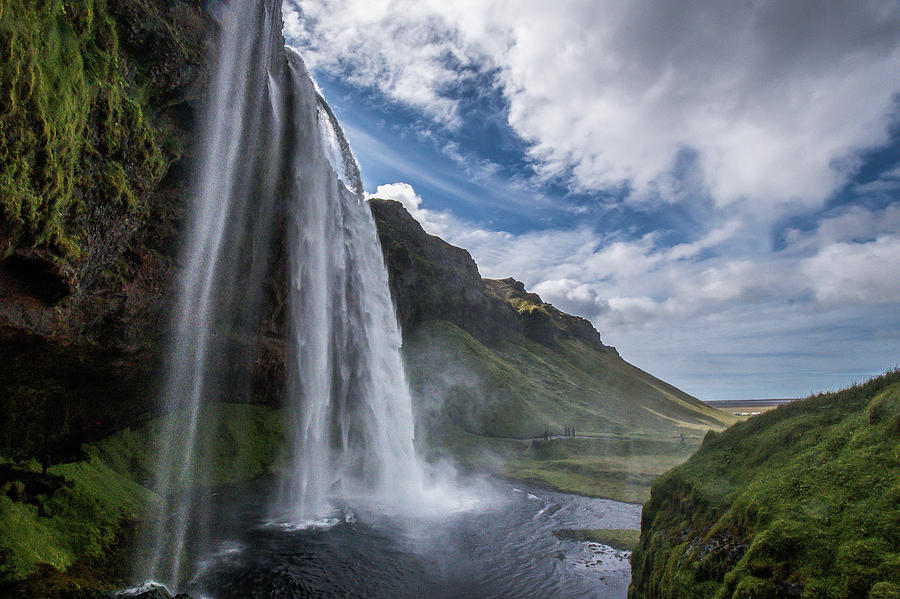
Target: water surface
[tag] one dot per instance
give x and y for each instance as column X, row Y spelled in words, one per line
column 499, row 545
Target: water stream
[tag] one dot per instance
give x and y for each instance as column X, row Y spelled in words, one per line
column 352, row 411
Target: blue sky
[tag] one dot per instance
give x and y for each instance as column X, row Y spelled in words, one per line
column 715, row 186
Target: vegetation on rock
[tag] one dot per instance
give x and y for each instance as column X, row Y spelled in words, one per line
column 802, row 501
column 77, row 512
column 95, row 124
column 71, row 116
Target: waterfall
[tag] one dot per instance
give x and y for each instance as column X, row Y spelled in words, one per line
column 272, row 152
column 352, row 408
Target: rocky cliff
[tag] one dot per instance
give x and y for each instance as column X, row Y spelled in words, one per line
column 96, row 137
column 433, row 280
column 92, row 206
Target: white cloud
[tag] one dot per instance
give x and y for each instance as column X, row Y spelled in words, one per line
column 669, row 309
column 436, row 223
column 572, row 296
column 774, row 98
column 853, row 273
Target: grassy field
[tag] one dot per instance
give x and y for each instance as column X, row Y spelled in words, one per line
column 488, row 406
column 800, row 501
column 615, row 467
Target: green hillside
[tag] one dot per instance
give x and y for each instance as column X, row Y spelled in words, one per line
column 484, row 404
column 802, row 501
column 518, row 388
column 492, row 367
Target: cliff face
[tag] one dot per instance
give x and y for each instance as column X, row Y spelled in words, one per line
column 487, row 357
column 802, row 501
column 433, row 280
column 543, row 322
column 98, row 106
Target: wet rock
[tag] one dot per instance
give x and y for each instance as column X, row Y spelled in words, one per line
column 149, row 591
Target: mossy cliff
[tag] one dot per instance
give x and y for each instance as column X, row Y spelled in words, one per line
column 97, row 104
column 802, row 501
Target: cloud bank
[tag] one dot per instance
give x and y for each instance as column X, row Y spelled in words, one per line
column 775, row 99
column 750, row 122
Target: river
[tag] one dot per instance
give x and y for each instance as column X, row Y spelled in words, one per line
column 499, row 544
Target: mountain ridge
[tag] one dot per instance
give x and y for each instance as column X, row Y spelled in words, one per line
column 491, row 365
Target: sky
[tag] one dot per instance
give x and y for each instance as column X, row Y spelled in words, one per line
column 715, row 185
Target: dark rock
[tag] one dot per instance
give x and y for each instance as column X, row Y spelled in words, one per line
column 433, row 280
column 82, row 334
column 154, row 592
column 543, row 322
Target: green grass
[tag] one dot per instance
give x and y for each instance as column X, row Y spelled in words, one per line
column 623, row 539
column 519, row 388
column 109, row 490
column 621, row 478
column 483, row 405
column 805, row 498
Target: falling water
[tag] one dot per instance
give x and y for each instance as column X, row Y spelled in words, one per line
column 352, row 408
column 272, row 150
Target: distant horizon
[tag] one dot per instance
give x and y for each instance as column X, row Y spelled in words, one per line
column 716, row 187
column 773, row 400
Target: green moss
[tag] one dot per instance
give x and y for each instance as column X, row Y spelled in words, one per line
column 110, row 489
column 78, row 521
column 802, row 499
column 67, row 119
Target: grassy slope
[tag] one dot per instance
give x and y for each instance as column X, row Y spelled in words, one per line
column 486, row 403
column 803, row 501
column 108, row 491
